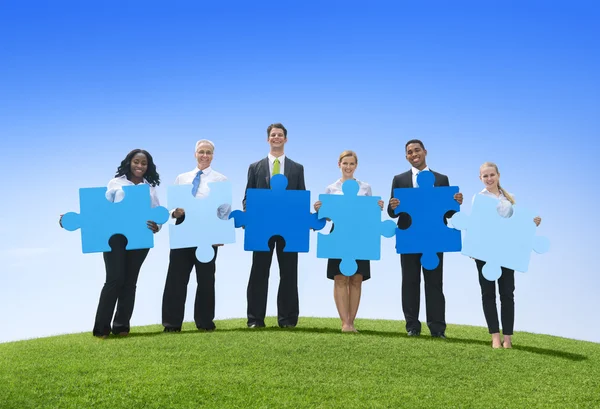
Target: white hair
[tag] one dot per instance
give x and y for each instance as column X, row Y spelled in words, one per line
column 201, row 141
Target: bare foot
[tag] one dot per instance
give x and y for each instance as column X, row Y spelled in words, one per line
column 496, row 341
column 124, row 333
column 347, row 328
column 507, row 342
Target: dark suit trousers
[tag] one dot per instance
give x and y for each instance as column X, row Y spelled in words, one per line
column 122, row 270
column 287, row 295
column 435, row 302
column 181, row 262
column 506, row 288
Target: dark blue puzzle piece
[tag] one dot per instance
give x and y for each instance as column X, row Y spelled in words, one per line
column 427, row 234
column 277, row 212
column 100, row 219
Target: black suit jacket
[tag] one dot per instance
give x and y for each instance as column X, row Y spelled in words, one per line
column 405, row 180
column 259, row 176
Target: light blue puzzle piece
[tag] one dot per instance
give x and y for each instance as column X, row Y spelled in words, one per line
column 357, row 227
column 201, row 227
column 100, row 219
column 277, row 212
column 499, row 241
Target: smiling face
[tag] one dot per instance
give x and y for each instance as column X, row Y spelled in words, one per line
column 415, row 155
column 139, row 165
column 490, row 177
column 204, row 155
column 347, row 165
column 276, row 139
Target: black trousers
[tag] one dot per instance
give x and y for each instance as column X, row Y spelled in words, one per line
column 435, row 303
column 287, row 295
column 122, row 270
column 181, row 262
column 506, row 288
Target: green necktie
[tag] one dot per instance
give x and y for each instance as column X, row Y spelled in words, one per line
column 276, row 167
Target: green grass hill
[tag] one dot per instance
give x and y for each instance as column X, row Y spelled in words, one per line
column 311, row 366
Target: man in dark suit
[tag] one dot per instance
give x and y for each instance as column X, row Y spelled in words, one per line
column 435, row 302
column 259, row 176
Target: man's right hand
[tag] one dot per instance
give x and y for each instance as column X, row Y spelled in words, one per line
column 178, row 213
column 394, row 202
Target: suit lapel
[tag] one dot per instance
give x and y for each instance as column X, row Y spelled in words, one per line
column 264, row 174
column 287, row 170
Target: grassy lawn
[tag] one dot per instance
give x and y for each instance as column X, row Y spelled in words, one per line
column 311, row 366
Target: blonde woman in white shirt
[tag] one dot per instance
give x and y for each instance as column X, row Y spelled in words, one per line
column 123, row 266
column 347, row 290
column 490, row 176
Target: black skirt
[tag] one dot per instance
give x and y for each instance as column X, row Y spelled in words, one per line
column 333, row 268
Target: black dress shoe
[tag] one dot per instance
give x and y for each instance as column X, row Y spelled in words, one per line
column 172, row 329
column 287, row 326
column 206, row 329
column 438, row 335
column 256, row 325
column 413, row 333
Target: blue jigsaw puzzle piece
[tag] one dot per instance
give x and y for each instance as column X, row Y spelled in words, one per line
column 201, row 227
column 358, row 227
column 428, row 234
column 99, row 219
column 499, row 241
column 277, row 212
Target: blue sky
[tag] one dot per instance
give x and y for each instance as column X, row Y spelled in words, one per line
column 82, row 83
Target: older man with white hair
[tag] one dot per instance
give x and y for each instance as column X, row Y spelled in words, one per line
column 181, row 261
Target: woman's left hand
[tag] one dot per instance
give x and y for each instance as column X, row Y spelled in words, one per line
column 152, row 226
column 537, row 220
column 380, row 203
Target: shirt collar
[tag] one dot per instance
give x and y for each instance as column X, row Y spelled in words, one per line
column 204, row 172
column 272, row 158
column 415, row 171
column 124, row 177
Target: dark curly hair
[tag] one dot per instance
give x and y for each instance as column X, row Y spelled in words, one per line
column 151, row 174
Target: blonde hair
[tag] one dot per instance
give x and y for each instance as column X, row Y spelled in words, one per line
column 348, row 153
column 504, row 192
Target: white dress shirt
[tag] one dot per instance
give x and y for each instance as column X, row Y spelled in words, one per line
column 208, row 176
column 504, row 207
column 272, row 162
column 415, row 172
column 364, row 189
column 115, row 193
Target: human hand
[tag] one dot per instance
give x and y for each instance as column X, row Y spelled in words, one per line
column 152, row 226
column 380, row 203
column 537, row 220
column 394, row 202
column 178, row 213
column 458, row 197
column 60, row 220
column 317, row 205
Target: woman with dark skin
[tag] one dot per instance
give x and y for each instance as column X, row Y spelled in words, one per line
column 123, row 266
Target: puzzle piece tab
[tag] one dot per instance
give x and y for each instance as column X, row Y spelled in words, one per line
column 201, row 227
column 499, row 241
column 358, row 227
column 100, row 219
column 428, row 234
column 277, row 212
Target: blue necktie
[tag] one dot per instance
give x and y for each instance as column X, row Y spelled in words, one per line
column 196, row 183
